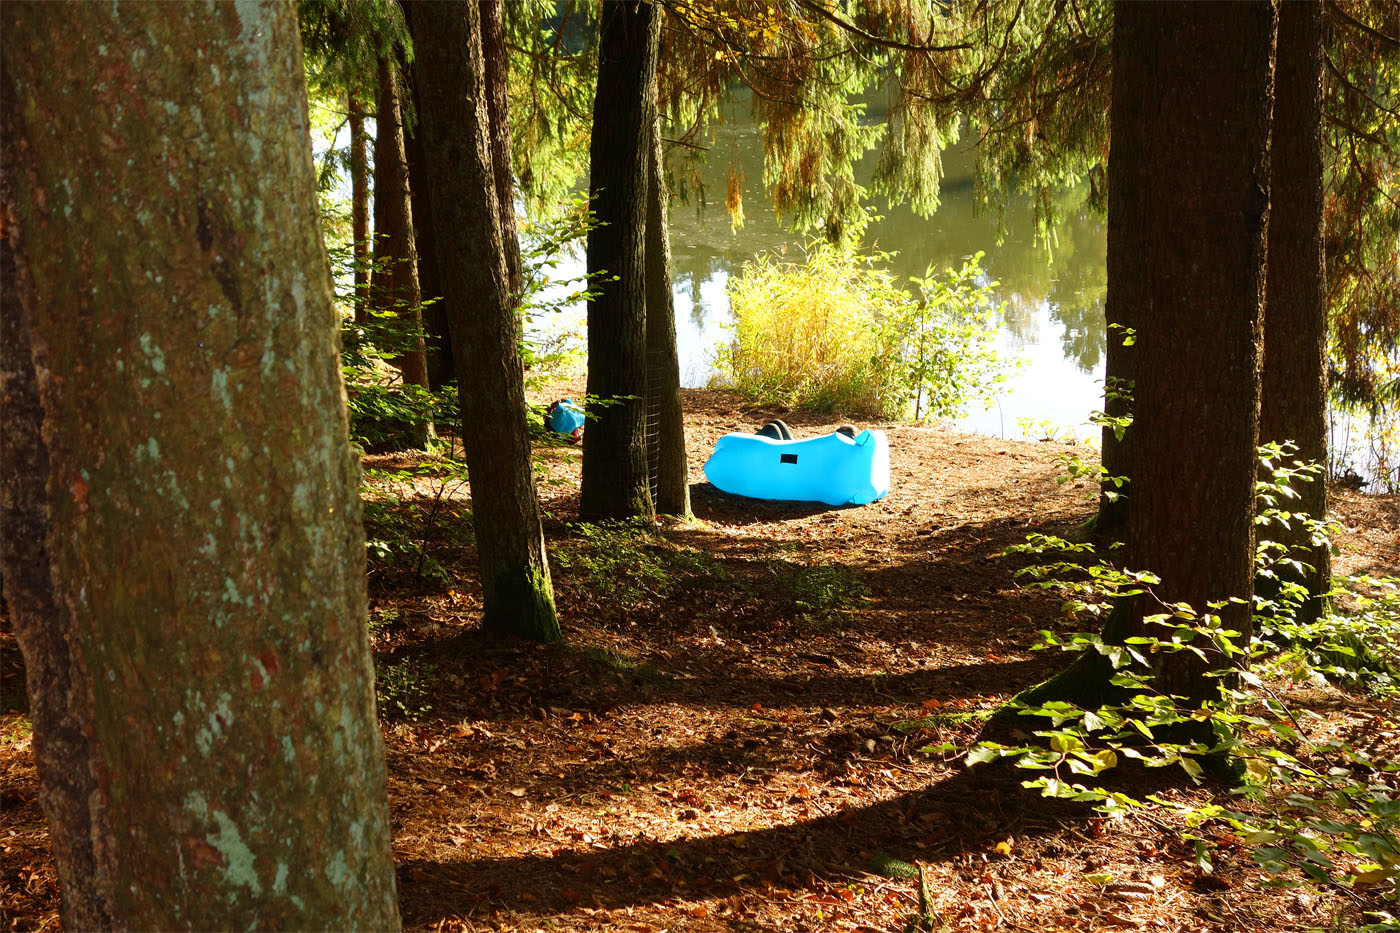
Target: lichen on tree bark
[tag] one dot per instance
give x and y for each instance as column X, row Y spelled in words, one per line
column 205, row 547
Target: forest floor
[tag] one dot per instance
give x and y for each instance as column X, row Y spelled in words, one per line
column 729, row 737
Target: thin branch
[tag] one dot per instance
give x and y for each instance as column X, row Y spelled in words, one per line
column 1336, row 10
column 881, row 41
column 682, row 142
column 543, row 57
column 1353, row 131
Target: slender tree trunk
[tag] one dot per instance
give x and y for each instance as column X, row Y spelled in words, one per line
column 615, row 483
column 1294, row 380
column 395, row 282
column 182, row 535
column 485, row 332
column 1127, row 117
column 493, row 47
column 359, row 205
column 665, row 419
column 1188, row 203
column 438, row 335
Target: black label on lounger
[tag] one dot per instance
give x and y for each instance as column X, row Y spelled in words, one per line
column 788, row 458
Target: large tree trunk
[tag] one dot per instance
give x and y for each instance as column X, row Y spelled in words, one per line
column 183, row 549
column 441, row 368
column 394, row 286
column 1188, row 182
column 359, row 205
column 1294, row 380
column 665, row 418
column 1200, row 77
column 485, row 333
column 615, row 483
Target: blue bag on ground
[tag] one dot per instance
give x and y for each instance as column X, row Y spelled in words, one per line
column 564, row 417
column 834, row 468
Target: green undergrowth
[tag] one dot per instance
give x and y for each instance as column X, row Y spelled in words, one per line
column 403, row 687
column 631, row 563
column 820, row 593
column 628, row 667
column 413, row 520
column 631, row 567
column 939, row 720
column 1315, row 805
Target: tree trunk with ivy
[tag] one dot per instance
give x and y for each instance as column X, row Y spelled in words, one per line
column 1294, row 380
column 394, row 285
column 666, row 458
column 615, row 481
column 450, row 81
column 183, row 553
column 1191, row 109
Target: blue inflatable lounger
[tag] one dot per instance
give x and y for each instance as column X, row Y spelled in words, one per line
column 835, row 469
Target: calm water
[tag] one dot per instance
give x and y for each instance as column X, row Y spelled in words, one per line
column 1053, row 321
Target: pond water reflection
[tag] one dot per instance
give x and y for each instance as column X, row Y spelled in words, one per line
column 1053, row 319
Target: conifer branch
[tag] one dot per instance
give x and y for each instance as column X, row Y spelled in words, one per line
column 882, row 41
column 1336, row 10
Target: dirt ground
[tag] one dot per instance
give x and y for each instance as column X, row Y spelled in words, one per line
column 729, row 738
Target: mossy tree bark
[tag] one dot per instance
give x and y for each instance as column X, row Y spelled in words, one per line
column 394, row 286
column 196, row 647
column 615, row 481
column 450, row 81
column 666, row 459
column 1294, row 381
column 1191, row 110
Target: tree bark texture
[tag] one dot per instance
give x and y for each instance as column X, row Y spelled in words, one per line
column 200, row 665
column 1190, row 265
column 1128, row 129
column 58, row 702
column 497, row 73
column 359, row 204
column 1293, row 404
column 667, row 464
column 450, row 82
column 395, row 282
column 438, row 336
column 615, row 483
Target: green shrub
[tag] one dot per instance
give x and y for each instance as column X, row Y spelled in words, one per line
column 805, row 335
column 837, row 333
column 940, row 342
column 821, row 591
column 402, row 688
